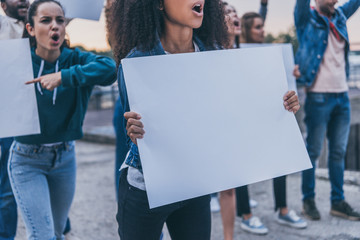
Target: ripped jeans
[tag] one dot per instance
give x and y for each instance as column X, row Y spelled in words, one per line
column 43, row 182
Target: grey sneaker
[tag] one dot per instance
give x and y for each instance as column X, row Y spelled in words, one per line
column 291, row 219
column 254, row 225
column 344, row 210
column 309, row 209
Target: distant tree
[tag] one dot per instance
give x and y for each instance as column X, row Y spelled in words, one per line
column 287, row 37
column 269, row 38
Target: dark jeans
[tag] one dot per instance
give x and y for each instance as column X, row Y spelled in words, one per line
column 8, row 210
column 327, row 115
column 242, row 196
column 185, row 220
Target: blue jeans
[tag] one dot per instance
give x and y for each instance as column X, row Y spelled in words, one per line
column 8, row 209
column 43, row 182
column 327, row 114
column 190, row 219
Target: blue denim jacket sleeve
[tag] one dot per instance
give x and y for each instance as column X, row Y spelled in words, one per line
column 302, row 13
column 123, row 106
column 350, row 7
column 263, row 11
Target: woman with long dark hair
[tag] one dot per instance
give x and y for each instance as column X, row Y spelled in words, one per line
column 158, row 27
column 42, row 167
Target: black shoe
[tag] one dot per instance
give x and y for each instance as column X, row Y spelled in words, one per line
column 344, row 210
column 67, row 227
column 309, row 209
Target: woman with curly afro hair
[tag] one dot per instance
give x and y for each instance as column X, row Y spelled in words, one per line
column 140, row 28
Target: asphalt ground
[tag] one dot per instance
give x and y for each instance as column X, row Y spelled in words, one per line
column 94, row 208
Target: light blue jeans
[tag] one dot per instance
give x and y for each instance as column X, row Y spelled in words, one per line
column 327, row 114
column 43, row 182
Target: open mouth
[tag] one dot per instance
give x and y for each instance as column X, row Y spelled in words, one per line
column 22, row 10
column 197, row 8
column 55, row 37
column 22, row 6
column 236, row 23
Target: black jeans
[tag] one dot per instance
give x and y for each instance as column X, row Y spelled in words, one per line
column 242, row 196
column 185, row 220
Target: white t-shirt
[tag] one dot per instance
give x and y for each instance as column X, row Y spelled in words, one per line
column 10, row 28
column 331, row 77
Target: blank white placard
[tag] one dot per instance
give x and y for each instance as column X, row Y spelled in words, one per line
column 213, row 120
column 288, row 57
column 85, row 9
column 18, row 108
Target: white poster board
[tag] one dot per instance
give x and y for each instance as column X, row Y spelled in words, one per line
column 288, row 56
column 213, row 120
column 86, row 9
column 18, row 107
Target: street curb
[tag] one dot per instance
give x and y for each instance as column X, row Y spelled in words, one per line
column 96, row 138
column 350, row 177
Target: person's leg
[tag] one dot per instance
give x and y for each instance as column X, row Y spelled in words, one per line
column 338, row 133
column 192, row 221
column 8, row 208
column 285, row 216
column 249, row 222
column 279, row 184
column 27, row 173
column 135, row 220
column 242, row 201
column 228, row 205
column 62, row 179
column 317, row 115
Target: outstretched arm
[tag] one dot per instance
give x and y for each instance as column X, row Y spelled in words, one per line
column 93, row 70
column 263, row 9
column 302, row 13
column 350, row 7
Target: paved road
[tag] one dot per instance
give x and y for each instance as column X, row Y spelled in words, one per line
column 94, row 207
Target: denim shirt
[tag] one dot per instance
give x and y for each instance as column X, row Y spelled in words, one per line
column 312, row 30
column 133, row 157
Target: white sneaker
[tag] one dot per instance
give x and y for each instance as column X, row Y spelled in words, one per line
column 253, row 203
column 214, row 204
column 291, row 219
column 254, row 225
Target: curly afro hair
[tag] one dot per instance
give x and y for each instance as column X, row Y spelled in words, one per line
column 136, row 23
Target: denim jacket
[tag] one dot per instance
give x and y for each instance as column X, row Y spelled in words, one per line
column 133, row 158
column 312, row 30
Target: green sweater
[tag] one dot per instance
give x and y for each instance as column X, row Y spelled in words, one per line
column 80, row 71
